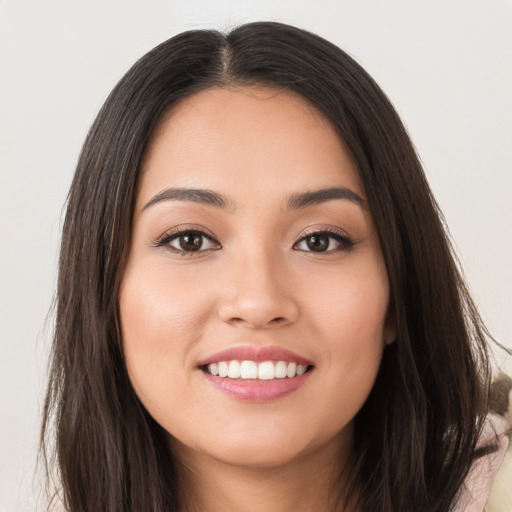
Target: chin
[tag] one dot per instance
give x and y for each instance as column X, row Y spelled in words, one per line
column 264, row 447
column 260, row 456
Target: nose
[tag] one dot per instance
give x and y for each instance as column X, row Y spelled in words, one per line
column 258, row 294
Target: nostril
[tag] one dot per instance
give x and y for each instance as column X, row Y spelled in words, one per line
column 275, row 321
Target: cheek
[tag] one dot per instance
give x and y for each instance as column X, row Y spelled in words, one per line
column 158, row 306
column 351, row 306
column 159, row 327
column 351, row 321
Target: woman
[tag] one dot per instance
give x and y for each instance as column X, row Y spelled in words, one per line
column 258, row 307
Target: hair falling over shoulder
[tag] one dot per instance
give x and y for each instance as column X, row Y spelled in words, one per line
column 415, row 436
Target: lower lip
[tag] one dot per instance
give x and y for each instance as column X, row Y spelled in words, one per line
column 257, row 390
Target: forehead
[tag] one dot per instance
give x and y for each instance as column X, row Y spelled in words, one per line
column 247, row 139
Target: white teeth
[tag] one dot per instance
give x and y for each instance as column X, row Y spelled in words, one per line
column 266, row 370
column 223, row 369
column 280, row 371
column 234, row 370
column 249, row 370
column 291, row 371
column 214, row 369
column 301, row 369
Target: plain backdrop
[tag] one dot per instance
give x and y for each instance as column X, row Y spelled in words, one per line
column 446, row 66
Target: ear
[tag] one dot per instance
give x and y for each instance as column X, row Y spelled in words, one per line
column 389, row 336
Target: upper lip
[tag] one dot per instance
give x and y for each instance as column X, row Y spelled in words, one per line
column 257, row 354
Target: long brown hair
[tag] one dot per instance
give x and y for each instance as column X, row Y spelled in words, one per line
column 416, row 434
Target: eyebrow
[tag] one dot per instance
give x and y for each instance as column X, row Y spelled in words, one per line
column 304, row 199
column 295, row 202
column 196, row 195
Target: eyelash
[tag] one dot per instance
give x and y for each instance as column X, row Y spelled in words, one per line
column 345, row 242
column 174, row 234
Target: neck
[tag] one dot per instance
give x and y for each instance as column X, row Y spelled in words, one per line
column 311, row 482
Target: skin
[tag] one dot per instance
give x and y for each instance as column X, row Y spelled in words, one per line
column 257, row 283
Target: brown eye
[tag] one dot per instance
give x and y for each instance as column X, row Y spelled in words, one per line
column 188, row 241
column 191, row 241
column 324, row 242
column 317, row 243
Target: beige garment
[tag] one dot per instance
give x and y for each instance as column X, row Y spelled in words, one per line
column 500, row 499
column 487, row 473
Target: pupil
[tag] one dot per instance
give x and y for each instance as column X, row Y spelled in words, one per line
column 318, row 243
column 191, row 242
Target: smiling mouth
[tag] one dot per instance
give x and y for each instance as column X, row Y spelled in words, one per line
column 252, row 370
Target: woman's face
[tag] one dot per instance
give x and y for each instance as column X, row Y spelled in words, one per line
column 253, row 254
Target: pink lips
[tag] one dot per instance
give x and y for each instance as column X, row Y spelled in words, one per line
column 256, row 390
column 257, row 354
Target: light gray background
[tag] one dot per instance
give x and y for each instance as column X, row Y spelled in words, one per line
column 446, row 65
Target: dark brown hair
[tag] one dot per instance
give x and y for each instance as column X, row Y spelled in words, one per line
column 416, row 434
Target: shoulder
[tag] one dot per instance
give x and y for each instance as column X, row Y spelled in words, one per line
column 500, row 498
column 487, row 487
